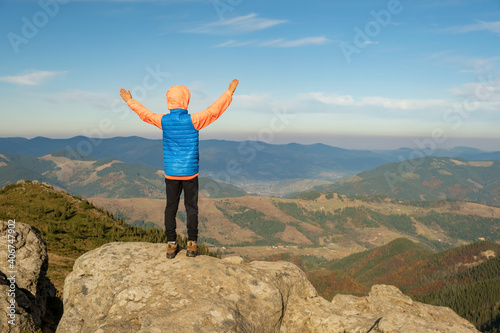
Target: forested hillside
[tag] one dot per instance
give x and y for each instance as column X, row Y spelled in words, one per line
column 466, row 279
column 430, row 178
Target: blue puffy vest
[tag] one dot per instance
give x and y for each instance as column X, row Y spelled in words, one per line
column 180, row 144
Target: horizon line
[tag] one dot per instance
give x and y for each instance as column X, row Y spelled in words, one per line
column 402, row 147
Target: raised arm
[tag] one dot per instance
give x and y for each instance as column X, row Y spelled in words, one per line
column 214, row 111
column 143, row 113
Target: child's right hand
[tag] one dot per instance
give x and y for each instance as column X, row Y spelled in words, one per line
column 126, row 95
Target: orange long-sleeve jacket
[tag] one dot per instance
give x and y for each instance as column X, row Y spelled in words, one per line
column 178, row 97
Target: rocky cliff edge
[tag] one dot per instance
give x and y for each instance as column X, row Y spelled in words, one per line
column 132, row 287
column 27, row 294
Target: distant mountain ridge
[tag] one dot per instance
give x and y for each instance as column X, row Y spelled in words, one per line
column 238, row 162
column 432, row 178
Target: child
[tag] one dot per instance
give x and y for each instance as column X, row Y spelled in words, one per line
column 181, row 155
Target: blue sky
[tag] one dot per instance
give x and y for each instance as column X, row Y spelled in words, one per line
column 353, row 74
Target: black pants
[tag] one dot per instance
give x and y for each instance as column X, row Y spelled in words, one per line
column 174, row 189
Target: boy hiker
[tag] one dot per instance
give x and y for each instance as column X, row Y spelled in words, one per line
column 181, row 155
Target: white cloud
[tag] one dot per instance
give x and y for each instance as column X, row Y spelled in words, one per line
column 388, row 103
column 493, row 27
column 234, row 43
column 281, row 42
column 486, row 90
column 167, row 1
column 484, row 94
column 297, row 42
column 482, row 65
column 331, row 99
column 254, row 101
column 30, row 78
column 80, row 97
column 475, row 65
column 240, row 24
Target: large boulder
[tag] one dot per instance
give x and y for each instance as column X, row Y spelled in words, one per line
column 132, row 287
column 391, row 311
column 24, row 287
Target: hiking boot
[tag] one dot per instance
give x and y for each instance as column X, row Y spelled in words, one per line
column 192, row 249
column 172, row 250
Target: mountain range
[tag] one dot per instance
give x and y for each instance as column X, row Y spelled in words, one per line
column 266, row 169
column 428, row 178
column 135, row 192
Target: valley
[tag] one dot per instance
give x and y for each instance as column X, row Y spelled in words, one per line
column 256, row 167
column 330, row 225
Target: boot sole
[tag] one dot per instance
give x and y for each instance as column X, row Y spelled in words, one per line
column 191, row 253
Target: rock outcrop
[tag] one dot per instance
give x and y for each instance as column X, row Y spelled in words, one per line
column 22, row 280
column 392, row 311
column 132, row 287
